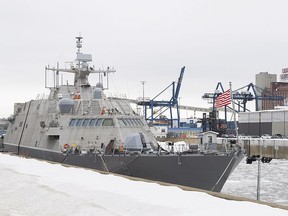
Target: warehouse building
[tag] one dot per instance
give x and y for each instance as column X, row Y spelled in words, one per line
column 263, row 81
column 277, row 89
column 263, row 122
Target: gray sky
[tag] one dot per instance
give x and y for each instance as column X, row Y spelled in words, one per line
column 217, row 41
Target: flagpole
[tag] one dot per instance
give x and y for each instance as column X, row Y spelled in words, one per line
column 234, row 113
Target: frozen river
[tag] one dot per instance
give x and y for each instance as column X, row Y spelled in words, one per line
column 273, row 186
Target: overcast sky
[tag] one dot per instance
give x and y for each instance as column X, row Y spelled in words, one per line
column 217, row 41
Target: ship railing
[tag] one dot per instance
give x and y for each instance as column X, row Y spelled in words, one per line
column 224, row 148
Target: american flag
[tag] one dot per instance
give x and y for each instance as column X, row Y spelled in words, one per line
column 223, row 99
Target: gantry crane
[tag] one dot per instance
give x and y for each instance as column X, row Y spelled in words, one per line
column 164, row 104
column 241, row 96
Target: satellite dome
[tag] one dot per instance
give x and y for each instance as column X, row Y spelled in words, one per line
column 65, row 105
column 97, row 93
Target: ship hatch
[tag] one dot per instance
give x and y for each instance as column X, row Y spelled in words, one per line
column 54, row 137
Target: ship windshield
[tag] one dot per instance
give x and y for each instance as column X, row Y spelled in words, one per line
column 121, row 122
column 72, row 122
column 135, row 122
column 99, row 122
column 92, row 122
column 79, row 122
column 108, row 122
column 130, row 122
column 85, row 122
column 126, row 122
column 139, row 122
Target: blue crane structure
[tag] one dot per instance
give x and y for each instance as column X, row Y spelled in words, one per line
column 242, row 96
column 164, row 104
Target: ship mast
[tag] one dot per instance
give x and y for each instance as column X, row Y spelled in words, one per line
column 82, row 68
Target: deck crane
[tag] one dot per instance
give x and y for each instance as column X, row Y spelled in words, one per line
column 164, row 104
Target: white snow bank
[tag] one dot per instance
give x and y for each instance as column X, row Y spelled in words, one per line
column 32, row 187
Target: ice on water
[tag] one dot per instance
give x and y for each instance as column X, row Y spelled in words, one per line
column 273, row 181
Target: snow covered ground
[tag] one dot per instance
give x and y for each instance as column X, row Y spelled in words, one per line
column 273, row 184
column 32, row 187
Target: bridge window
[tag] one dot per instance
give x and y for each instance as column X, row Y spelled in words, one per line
column 126, row 122
column 140, row 122
column 72, row 122
column 134, row 122
column 121, row 122
column 85, row 122
column 92, row 122
column 79, row 122
column 108, row 122
column 130, row 122
column 99, row 122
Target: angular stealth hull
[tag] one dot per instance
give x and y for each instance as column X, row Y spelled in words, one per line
column 207, row 172
column 78, row 125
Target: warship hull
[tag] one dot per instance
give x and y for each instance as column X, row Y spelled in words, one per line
column 207, row 172
column 76, row 124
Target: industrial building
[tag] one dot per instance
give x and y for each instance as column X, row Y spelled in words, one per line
column 263, row 81
column 263, row 122
column 277, row 89
column 268, row 85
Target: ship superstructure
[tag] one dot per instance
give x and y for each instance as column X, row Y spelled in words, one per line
column 77, row 124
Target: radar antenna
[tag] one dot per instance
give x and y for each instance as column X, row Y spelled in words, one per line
column 79, row 44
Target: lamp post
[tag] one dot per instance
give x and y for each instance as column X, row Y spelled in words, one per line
column 258, row 179
column 257, row 158
column 143, row 84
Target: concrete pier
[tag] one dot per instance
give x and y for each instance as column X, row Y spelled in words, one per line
column 275, row 148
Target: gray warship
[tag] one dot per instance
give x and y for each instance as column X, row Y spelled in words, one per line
column 78, row 125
